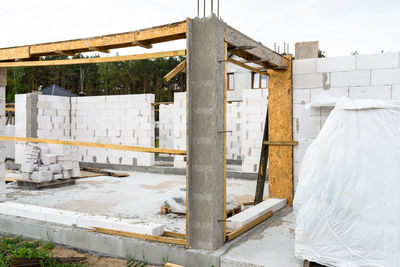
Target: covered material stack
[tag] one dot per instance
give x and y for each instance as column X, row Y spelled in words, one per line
column 50, row 163
column 347, row 198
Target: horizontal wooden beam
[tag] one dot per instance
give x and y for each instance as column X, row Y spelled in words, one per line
column 273, row 60
column 148, row 36
column 142, row 44
column 248, row 226
column 163, row 239
column 181, row 66
column 93, row 59
column 173, row 234
column 281, row 143
column 66, row 53
column 246, row 66
column 162, row 103
column 102, row 50
column 95, row 145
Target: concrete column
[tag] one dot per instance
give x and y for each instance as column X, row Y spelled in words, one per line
column 304, row 50
column 3, row 84
column 31, row 115
column 205, row 146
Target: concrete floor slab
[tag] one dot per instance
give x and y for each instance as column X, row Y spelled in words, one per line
column 137, row 197
column 271, row 244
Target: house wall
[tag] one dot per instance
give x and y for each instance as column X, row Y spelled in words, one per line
column 179, row 109
column 120, row 119
column 166, row 126
column 375, row 76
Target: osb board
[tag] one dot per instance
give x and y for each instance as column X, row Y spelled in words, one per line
column 3, row 76
column 280, row 98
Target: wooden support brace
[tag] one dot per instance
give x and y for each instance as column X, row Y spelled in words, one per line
column 66, row 53
column 95, row 145
column 181, row 66
column 102, row 50
column 246, row 66
column 162, row 239
column 93, row 60
column 281, row 143
column 142, row 44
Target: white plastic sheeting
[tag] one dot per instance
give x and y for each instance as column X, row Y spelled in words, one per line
column 347, row 203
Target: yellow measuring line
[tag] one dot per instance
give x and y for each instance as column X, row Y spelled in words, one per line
column 95, row 145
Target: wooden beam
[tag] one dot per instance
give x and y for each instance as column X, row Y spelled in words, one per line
column 168, row 264
column 237, row 39
column 280, row 97
column 66, row 53
column 102, row 50
column 162, row 239
column 95, row 145
column 142, row 44
column 93, row 60
column 173, row 234
column 246, row 66
column 281, row 143
column 175, row 71
column 262, row 167
column 153, row 35
column 248, row 226
column 162, row 103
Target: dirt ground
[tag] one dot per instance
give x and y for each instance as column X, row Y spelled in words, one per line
column 92, row 260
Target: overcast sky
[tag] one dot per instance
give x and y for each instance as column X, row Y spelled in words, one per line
column 340, row 26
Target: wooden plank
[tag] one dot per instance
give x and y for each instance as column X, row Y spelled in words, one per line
column 262, row 168
column 163, row 239
column 281, row 143
column 173, row 234
column 102, row 50
column 95, row 145
column 142, row 44
column 3, row 77
column 93, row 60
column 168, row 264
column 105, row 173
column 280, row 96
column 248, row 226
column 246, row 66
column 225, row 125
column 237, row 39
column 162, row 103
column 14, row 53
column 175, row 71
column 149, row 36
column 42, row 185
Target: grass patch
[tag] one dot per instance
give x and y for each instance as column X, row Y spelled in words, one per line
column 12, row 248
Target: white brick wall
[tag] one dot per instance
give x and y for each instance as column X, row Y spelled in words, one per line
column 121, row 119
column 2, row 147
column 166, row 127
column 374, row 76
column 253, row 111
column 234, row 123
column 179, row 110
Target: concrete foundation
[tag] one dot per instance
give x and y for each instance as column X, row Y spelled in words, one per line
column 205, row 123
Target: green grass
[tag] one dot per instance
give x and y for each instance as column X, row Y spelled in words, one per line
column 15, row 247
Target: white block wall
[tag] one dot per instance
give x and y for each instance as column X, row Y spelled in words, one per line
column 234, row 123
column 166, row 127
column 20, row 126
column 120, row 119
column 179, row 127
column 116, row 119
column 53, row 117
column 254, row 109
column 375, row 76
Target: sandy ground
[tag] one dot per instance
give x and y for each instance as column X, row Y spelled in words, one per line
column 137, row 197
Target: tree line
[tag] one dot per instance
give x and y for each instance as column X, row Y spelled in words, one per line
column 113, row 78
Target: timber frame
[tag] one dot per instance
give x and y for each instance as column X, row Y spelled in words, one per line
column 277, row 67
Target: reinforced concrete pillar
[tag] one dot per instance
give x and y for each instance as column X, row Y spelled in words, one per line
column 3, row 84
column 205, row 126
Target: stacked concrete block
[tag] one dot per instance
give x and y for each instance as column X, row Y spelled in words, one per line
column 373, row 76
column 117, row 119
column 234, row 124
column 254, row 110
column 179, row 127
column 53, row 118
column 49, row 163
column 166, row 127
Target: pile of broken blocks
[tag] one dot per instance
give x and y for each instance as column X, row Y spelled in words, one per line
column 50, row 163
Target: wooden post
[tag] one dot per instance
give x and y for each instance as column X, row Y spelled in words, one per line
column 262, row 168
column 280, row 101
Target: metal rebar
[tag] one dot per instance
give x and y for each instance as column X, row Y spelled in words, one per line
column 198, row 8
column 212, row 6
column 204, row 11
column 218, row 8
